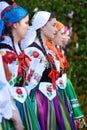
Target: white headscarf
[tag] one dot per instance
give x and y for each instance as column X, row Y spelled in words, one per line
column 39, row 19
column 3, row 5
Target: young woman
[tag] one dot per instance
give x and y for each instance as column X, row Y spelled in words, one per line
column 13, row 28
column 44, row 72
column 68, row 93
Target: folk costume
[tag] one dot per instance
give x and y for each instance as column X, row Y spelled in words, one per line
column 66, row 89
column 16, row 64
column 69, row 96
column 42, row 88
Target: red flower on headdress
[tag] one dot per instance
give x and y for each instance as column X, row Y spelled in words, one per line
column 7, row 8
column 35, row 54
column 9, row 24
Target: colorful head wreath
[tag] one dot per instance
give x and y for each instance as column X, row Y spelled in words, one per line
column 59, row 25
column 65, row 29
column 13, row 14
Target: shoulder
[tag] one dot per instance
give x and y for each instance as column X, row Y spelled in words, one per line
column 6, row 44
column 34, row 51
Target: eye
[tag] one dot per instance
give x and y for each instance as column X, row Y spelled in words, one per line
column 54, row 25
column 27, row 22
column 62, row 33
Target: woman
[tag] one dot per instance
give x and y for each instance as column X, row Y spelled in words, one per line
column 44, row 71
column 13, row 28
column 68, row 93
column 8, row 109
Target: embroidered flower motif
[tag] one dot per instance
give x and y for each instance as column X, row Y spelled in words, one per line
column 36, row 77
column 78, row 124
column 30, row 75
column 19, row 91
column 61, row 82
column 49, row 89
column 9, row 57
column 35, row 54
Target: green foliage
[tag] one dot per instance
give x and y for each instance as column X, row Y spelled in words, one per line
column 77, row 55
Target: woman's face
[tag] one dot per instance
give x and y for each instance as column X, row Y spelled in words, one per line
column 50, row 30
column 66, row 39
column 58, row 39
column 20, row 28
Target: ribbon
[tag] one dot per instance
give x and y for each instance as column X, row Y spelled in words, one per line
column 52, row 47
column 24, row 63
column 54, row 74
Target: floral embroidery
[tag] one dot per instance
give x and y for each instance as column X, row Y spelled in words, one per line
column 78, row 124
column 30, row 75
column 49, row 90
column 35, row 54
column 19, row 91
column 36, row 77
column 81, row 123
column 18, row 80
column 9, row 57
column 13, row 80
column 61, row 82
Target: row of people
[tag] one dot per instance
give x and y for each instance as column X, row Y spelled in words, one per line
column 39, row 96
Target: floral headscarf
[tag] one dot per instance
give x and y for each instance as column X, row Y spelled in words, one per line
column 11, row 15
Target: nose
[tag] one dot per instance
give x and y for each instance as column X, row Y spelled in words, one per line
column 63, row 36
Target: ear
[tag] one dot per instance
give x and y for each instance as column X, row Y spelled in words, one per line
column 15, row 25
column 42, row 28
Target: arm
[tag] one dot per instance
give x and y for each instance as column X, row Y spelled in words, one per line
column 37, row 66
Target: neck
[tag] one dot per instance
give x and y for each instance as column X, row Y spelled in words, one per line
column 16, row 37
column 43, row 38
